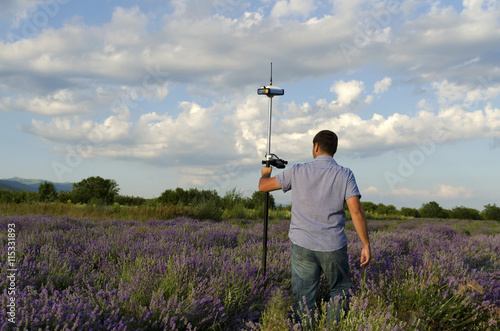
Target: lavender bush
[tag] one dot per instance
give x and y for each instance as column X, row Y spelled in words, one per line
column 184, row 274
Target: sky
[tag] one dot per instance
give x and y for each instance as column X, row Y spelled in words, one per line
column 163, row 94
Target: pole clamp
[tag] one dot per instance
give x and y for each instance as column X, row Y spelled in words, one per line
column 275, row 161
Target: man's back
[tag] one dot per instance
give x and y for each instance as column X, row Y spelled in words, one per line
column 319, row 191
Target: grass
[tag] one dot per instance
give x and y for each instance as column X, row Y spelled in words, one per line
column 139, row 213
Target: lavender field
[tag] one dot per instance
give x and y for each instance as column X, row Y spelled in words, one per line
column 183, row 274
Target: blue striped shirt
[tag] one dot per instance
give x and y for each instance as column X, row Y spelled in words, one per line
column 320, row 189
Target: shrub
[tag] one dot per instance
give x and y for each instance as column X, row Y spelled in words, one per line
column 491, row 212
column 209, row 210
column 464, row 213
column 410, row 212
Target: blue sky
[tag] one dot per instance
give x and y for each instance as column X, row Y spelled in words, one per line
column 162, row 94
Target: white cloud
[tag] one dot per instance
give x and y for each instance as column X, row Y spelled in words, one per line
column 382, row 86
column 105, row 71
column 347, row 92
column 450, row 192
column 241, row 126
column 153, row 137
column 292, row 7
column 411, row 193
column 378, row 134
column 216, row 50
column 127, row 27
column 370, row 190
column 440, row 191
column 450, row 92
column 61, row 102
column 112, row 131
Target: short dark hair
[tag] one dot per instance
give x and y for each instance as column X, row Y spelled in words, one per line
column 327, row 140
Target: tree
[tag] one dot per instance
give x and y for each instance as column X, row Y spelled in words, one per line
column 385, row 210
column 464, row 213
column 491, row 212
column 432, row 209
column 258, row 199
column 171, row 197
column 95, row 189
column 193, row 197
column 368, row 206
column 232, row 198
column 17, row 197
column 47, row 191
column 65, row 196
column 410, row 212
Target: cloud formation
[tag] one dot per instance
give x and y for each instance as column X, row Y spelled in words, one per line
column 440, row 191
column 108, row 86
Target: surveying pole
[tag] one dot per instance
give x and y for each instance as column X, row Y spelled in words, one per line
column 271, row 159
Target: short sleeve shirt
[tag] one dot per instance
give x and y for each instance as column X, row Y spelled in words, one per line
column 320, row 189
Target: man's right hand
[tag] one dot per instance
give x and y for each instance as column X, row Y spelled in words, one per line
column 266, row 182
column 266, row 172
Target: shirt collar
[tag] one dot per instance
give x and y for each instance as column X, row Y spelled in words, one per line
column 325, row 158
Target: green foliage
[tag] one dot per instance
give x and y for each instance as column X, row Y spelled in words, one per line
column 190, row 197
column 432, row 209
column 129, row 201
column 258, row 199
column 410, row 212
column 209, row 210
column 422, row 297
column 277, row 307
column 8, row 196
column 491, row 212
column 368, row 207
column 207, row 204
column 95, row 190
column 64, row 196
column 385, row 210
column 47, row 192
column 464, row 213
column 232, row 198
column 237, row 211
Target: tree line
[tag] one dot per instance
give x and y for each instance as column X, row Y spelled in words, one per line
column 100, row 191
column 433, row 210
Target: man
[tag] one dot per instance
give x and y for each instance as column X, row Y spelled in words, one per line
column 320, row 190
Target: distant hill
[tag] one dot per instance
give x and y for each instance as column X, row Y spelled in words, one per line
column 30, row 185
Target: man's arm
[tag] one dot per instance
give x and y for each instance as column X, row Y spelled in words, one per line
column 359, row 221
column 268, row 183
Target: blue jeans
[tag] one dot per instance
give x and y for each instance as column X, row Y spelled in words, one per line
column 306, row 271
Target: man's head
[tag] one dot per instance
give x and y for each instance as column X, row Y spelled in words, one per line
column 327, row 143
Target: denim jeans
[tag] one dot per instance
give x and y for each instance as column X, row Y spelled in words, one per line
column 306, row 271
